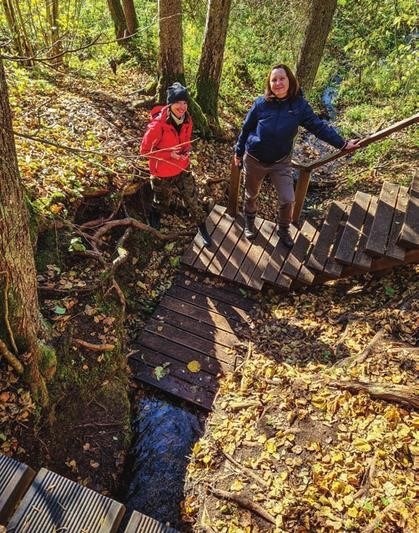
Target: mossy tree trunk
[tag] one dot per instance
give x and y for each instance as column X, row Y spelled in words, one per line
column 315, row 36
column 211, row 62
column 19, row 310
column 170, row 67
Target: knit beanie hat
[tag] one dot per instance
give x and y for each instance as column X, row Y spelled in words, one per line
column 176, row 92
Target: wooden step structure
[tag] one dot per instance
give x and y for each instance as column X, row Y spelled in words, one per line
column 372, row 234
column 187, row 343
column 47, row 503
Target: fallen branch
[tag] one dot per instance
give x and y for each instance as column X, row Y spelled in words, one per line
column 360, row 358
column 246, row 470
column 94, row 347
column 396, row 393
column 11, row 359
column 244, row 502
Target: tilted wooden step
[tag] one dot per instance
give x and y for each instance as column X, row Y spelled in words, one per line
column 351, row 241
column 389, row 216
column 15, row 478
column 409, row 235
column 276, row 260
column 329, row 233
column 54, row 503
column 293, row 262
column 140, row 523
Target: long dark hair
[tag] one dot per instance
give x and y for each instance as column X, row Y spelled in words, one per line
column 294, row 87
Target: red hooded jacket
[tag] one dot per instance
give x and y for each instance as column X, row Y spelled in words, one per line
column 161, row 139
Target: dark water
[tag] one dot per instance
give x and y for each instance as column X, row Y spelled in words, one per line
column 163, row 437
column 329, row 97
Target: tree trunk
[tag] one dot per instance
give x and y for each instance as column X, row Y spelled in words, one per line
column 130, row 16
column 19, row 309
column 52, row 12
column 18, row 31
column 171, row 46
column 315, row 36
column 118, row 18
column 211, row 63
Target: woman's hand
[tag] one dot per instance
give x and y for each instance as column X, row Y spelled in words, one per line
column 238, row 161
column 352, row 144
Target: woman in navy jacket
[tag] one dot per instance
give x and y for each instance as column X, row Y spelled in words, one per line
column 266, row 141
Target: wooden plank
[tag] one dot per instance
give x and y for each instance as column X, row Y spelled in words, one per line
column 193, row 252
column 255, row 252
column 353, row 228
column 139, row 523
column 327, row 236
column 256, row 279
column 377, row 240
column 231, row 312
column 203, row 262
column 174, row 386
column 190, row 324
column 393, row 249
column 224, row 246
column 361, row 258
column 333, row 268
column 277, row 259
column 228, row 295
column 204, row 316
column 174, row 367
column 182, row 353
column 54, row 503
column 300, row 250
column 188, row 340
column 232, row 239
column 409, row 237
column 15, row 478
column 239, row 254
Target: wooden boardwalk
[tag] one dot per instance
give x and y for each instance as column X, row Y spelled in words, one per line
column 49, row 503
column 187, row 344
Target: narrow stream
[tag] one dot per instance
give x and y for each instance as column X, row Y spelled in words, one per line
column 164, row 434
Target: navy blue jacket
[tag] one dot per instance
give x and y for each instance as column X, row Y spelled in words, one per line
column 270, row 127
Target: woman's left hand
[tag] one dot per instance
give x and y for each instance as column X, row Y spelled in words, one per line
column 352, row 144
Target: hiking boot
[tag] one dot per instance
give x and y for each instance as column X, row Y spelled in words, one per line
column 154, row 219
column 206, row 237
column 285, row 236
column 249, row 227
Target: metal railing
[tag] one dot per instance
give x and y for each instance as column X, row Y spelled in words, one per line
column 306, row 168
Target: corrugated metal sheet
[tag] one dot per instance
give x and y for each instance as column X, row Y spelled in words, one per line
column 15, row 478
column 140, row 523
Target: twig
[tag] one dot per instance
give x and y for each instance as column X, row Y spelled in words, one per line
column 367, row 478
column 99, row 424
column 353, row 360
column 94, row 347
column 244, row 502
column 115, row 286
column 374, row 523
column 246, row 470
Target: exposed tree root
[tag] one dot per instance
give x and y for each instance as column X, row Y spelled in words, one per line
column 93, row 347
column 11, row 359
column 356, row 359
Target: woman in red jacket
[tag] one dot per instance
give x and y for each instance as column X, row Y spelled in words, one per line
column 167, row 144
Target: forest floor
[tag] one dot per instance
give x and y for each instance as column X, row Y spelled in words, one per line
column 284, row 434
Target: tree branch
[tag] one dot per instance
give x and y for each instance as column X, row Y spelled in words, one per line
column 244, row 502
column 395, row 393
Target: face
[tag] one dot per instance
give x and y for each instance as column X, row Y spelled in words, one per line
column 279, row 82
column 179, row 108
